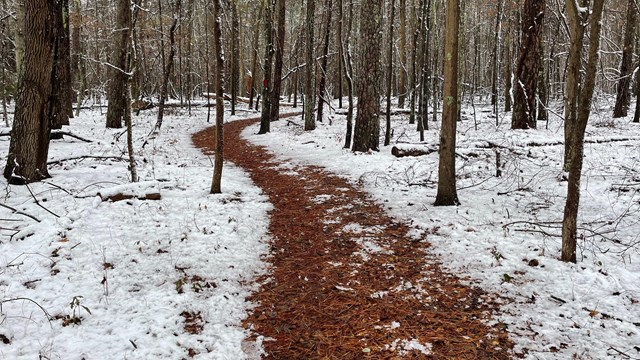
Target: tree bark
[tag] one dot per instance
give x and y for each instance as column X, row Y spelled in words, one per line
column 402, row 86
column 29, row 145
column 116, row 90
column 525, row 84
column 62, row 92
column 447, row 194
column 219, row 84
column 254, row 62
column 322, row 91
column 277, row 69
column 348, row 68
column 570, row 219
column 367, row 129
column 309, row 94
column 387, row 132
column 267, row 85
column 164, row 90
column 235, row 54
column 623, row 98
column 575, row 20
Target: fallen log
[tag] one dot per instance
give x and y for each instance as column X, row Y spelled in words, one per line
column 145, row 190
column 403, row 150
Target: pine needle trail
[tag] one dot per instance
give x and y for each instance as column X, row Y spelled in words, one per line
column 347, row 282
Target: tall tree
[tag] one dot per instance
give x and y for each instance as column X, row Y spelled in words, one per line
column 348, row 69
column 623, row 98
column 309, row 93
column 219, row 84
column 387, row 132
column 254, row 62
column 322, row 86
column 402, row 85
column 447, row 194
column 235, row 55
column 279, row 54
column 29, row 145
column 267, row 85
column 116, row 89
column 61, row 99
column 366, row 134
column 168, row 65
column 496, row 58
column 570, row 219
column 525, row 80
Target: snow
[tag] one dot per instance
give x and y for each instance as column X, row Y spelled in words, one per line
column 124, row 276
column 504, row 236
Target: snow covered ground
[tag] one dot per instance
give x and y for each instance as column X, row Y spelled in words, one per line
column 505, row 235
column 132, row 279
column 166, row 279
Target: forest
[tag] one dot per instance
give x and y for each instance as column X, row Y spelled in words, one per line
column 238, row 179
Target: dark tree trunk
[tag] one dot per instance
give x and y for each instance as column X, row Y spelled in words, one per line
column 235, row 55
column 267, row 85
column 29, row 146
column 61, row 95
column 219, row 84
column 570, row 219
column 526, row 76
column 387, row 132
column 164, row 90
column 322, row 91
column 367, row 129
column 277, row 69
column 402, row 86
column 447, row 194
column 116, row 90
column 623, row 98
column 254, row 62
column 348, row 67
column 309, row 94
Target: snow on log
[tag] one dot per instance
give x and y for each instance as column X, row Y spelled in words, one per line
column 144, row 190
column 402, row 150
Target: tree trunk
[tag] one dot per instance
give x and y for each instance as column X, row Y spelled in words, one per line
column 447, row 194
column 348, row 67
column 423, row 119
column 387, row 132
column 322, row 91
column 219, row 84
column 570, row 219
column 508, row 74
column 309, row 95
column 402, row 86
column 367, row 129
column 117, row 86
column 277, row 70
column 29, row 145
column 543, row 88
column 235, row 54
column 19, row 35
column 254, row 62
column 623, row 98
column 62, row 91
column 267, row 85
column 496, row 59
column 526, row 76
column 574, row 62
column 164, row 90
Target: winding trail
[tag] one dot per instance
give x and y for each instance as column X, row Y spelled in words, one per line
column 347, row 281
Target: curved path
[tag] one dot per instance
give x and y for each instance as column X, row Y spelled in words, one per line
column 347, row 282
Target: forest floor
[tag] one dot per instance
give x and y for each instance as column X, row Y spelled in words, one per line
column 347, row 281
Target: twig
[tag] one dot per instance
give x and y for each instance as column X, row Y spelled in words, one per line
column 38, row 202
column 16, row 211
column 72, row 135
column 60, row 161
column 49, row 317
